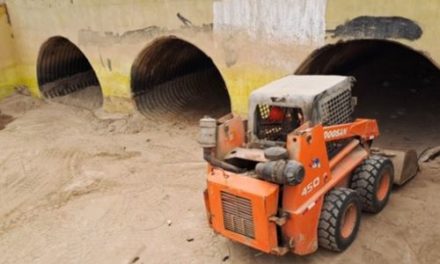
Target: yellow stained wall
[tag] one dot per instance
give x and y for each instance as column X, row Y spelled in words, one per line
column 33, row 22
column 8, row 77
column 254, row 61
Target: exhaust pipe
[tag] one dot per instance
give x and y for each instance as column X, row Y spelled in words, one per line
column 208, row 141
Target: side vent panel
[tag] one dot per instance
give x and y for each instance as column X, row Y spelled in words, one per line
column 237, row 214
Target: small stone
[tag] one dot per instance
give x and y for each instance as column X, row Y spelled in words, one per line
column 23, row 90
column 225, row 258
column 169, row 222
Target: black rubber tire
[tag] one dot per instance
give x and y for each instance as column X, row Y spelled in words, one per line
column 366, row 181
column 332, row 218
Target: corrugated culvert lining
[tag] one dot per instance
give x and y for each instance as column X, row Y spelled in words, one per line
column 173, row 77
column 396, row 85
column 65, row 75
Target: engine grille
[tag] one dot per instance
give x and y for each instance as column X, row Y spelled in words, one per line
column 237, row 214
column 337, row 110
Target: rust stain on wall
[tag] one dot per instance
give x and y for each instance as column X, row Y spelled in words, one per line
column 378, row 27
column 93, row 37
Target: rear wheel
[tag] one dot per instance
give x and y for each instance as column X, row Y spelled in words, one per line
column 373, row 181
column 339, row 220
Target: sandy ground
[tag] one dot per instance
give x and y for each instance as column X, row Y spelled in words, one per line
column 79, row 186
column 89, row 97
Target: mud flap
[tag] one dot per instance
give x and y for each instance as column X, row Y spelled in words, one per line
column 405, row 163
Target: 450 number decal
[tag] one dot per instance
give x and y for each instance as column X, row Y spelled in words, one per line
column 311, row 186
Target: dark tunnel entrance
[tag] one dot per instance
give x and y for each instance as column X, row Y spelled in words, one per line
column 66, row 76
column 173, row 77
column 395, row 84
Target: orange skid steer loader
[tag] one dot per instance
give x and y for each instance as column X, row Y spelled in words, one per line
column 298, row 172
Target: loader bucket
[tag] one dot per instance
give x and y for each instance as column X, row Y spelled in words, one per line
column 405, row 163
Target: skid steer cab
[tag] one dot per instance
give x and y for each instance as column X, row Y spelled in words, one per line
column 298, row 172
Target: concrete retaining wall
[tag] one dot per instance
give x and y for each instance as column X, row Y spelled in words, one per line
column 251, row 42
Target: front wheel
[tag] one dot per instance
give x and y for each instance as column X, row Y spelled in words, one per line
column 339, row 220
column 373, row 181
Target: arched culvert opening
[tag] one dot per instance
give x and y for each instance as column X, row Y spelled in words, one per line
column 174, row 77
column 65, row 75
column 396, row 85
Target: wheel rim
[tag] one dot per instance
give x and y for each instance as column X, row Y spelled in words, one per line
column 348, row 221
column 384, row 186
